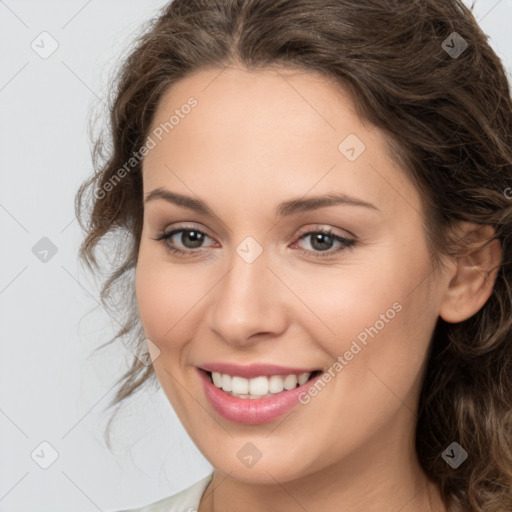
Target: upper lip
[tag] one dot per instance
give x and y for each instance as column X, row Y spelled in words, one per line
column 254, row 370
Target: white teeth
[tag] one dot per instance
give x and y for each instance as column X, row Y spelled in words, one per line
column 276, row 384
column 258, row 386
column 226, row 382
column 239, row 385
column 303, row 378
column 217, row 379
column 290, row 382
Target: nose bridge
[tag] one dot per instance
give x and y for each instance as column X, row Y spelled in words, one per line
column 247, row 299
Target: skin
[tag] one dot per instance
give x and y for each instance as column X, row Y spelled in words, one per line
column 255, row 139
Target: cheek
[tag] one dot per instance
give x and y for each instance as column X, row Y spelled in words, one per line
column 357, row 300
column 168, row 300
column 383, row 360
column 375, row 317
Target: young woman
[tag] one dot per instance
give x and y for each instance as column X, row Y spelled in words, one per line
column 318, row 208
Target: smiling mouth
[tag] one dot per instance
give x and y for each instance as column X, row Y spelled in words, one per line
column 259, row 387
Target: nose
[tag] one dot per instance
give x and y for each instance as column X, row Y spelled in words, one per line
column 247, row 303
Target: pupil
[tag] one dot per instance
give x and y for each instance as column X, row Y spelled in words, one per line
column 318, row 238
column 194, row 236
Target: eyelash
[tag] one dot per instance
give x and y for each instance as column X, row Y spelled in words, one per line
column 347, row 243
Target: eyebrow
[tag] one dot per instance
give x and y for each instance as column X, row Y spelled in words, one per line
column 284, row 209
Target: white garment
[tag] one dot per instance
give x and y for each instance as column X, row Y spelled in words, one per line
column 185, row 501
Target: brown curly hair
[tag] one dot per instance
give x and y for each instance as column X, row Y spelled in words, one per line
column 448, row 122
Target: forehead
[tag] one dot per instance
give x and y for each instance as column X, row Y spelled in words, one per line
column 291, row 130
column 263, row 101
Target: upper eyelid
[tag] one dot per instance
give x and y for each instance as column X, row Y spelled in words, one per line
column 180, row 227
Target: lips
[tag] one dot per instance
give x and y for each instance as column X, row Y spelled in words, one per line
column 254, row 411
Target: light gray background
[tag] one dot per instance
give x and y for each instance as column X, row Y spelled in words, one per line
column 51, row 386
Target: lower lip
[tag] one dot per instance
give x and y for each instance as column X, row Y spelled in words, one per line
column 251, row 411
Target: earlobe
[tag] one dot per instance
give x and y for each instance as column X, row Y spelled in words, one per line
column 474, row 278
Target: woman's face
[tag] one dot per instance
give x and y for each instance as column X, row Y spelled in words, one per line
column 269, row 273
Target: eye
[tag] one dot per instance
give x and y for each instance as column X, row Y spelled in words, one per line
column 322, row 241
column 191, row 240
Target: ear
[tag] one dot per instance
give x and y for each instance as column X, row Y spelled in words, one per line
column 474, row 277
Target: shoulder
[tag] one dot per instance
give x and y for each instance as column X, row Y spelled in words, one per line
column 186, row 500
